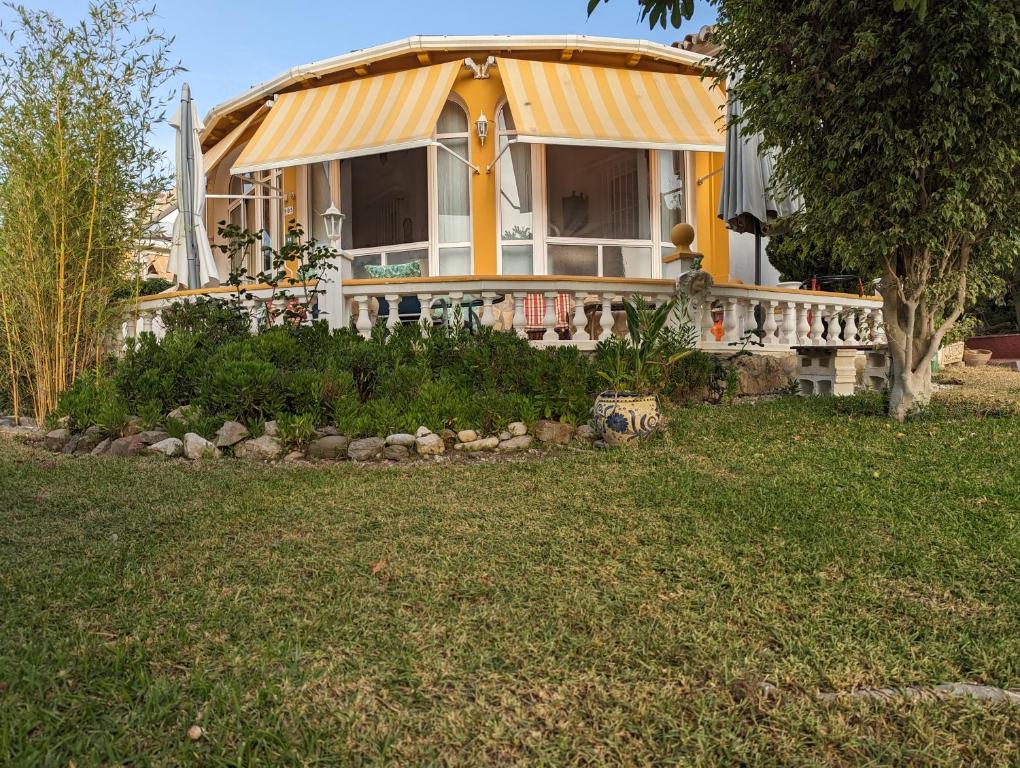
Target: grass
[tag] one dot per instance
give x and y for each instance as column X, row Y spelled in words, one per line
column 586, row 608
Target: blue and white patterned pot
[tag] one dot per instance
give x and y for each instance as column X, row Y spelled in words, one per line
column 620, row 417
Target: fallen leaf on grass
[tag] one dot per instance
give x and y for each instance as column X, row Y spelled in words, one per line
column 378, row 566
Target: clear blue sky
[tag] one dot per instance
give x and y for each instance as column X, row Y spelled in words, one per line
column 229, row 45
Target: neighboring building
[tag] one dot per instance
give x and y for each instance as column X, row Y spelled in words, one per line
column 153, row 251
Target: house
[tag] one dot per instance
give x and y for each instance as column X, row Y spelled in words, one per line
column 532, row 182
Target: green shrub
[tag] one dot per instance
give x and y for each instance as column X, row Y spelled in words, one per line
column 215, row 321
column 690, row 377
column 239, row 386
column 296, row 431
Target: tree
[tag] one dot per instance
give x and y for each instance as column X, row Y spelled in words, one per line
column 902, row 133
column 78, row 181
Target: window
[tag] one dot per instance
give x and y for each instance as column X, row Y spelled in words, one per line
column 595, row 195
column 386, row 200
column 255, row 205
column 672, row 195
column 453, row 186
column 516, row 214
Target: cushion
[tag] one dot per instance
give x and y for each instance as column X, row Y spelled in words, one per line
column 410, row 269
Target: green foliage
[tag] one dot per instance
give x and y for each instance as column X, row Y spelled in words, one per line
column 966, row 326
column 148, row 287
column 86, row 399
column 213, row 321
column 296, row 431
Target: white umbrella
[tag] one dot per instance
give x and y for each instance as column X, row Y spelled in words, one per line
column 191, row 258
column 747, row 202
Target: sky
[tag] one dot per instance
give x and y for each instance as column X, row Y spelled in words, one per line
column 230, row 45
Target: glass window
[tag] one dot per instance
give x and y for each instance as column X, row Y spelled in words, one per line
column 454, row 202
column 597, row 192
column 516, row 211
column 318, row 182
column 672, row 191
column 386, row 198
column 626, row 261
column 453, row 119
column 574, row 260
column 518, row 259
column 455, row 261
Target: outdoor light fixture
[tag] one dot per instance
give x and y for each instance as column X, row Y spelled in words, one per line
column 482, row 126
column 334, row 221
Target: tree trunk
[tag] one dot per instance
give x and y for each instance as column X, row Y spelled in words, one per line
column 912, row 344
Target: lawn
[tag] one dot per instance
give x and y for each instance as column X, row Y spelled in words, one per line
column 584, row 608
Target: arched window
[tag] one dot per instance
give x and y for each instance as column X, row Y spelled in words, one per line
column 453, row 190
column 516, row 209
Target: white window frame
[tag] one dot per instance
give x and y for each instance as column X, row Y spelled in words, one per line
column 537, row 241
column 257, row 189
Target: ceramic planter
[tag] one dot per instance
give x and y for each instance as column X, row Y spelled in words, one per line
column 621, row 417
column 975, row 358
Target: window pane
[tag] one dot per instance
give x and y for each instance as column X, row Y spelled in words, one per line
column 598, row 192
column 386, row 199
column 454, row 193
column 319, row 183
column 267, row 231
column 515, row 208
column 505, row 119
column 518, row 259
column 358, row 264
column 452, row 119
column 455, row 261
column 573, row 260
column 672, row 191
column 420, row 255
column 626, row 261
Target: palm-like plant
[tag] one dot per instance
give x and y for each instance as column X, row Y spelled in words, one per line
column 640, row 362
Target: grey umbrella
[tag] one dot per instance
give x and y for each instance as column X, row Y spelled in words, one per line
column 190, row 253
column 747, row 202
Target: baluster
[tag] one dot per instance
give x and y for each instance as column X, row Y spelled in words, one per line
column 817, row 328
column 392, row 315
column 789, row 329
column 580, row 319
column 770, row 325
column 425, row 315
column 803, row 326
column 456, row 310
column 520, row 322
column 878, row 337
column 731, row 321
column 707, row 322
column 488, row 319
column 835, row 327
column 850, row 328
column 147, row 317
column 751, row 324
column 364, row 324
column 550, row 318
column 606, row 316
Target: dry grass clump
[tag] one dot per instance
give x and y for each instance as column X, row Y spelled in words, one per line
column 991, row 390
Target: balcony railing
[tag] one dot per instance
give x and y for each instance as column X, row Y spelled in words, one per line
column 552, row 310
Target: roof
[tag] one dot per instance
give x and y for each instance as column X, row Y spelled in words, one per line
column 700, row 41
column 223, row 117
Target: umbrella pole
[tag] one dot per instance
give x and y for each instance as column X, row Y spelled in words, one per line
column 757, row 252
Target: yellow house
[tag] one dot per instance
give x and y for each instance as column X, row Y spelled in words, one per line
column 481, row 156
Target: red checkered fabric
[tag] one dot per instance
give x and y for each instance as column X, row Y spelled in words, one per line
column 534, row 310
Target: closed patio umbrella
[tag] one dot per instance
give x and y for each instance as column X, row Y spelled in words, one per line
column 747, row 204
column 191, row 258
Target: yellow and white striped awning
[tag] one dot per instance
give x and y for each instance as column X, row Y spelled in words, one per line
column 219, row 150
column 382, row 113
column 556, row 103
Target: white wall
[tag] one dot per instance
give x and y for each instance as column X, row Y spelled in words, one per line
column 742, row 260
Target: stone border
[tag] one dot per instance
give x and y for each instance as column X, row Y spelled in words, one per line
column 234, row 440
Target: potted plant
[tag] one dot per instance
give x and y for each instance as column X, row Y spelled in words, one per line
column 638, row 367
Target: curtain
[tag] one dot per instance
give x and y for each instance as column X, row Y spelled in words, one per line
column 454, row 194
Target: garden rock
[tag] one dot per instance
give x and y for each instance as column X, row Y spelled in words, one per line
column 133, row 426
column 153, row 436
column 183, row 413
column 57, row 439
column 366, row 449
column 517, row 428
column 103, row 447
column 448, row 435
column 554, row 432
column 86, row 442
column 126, row 446
column 430, row 445
column 585, row 433
column 504, row 436
column 197, row 447
column 271, row 428
column 422, row 431
column 485, row 444
column 467, row 436
column 171, row 447
column 401, row 439
column 327, row 432
column 329, row 447
column 294, row 456
column 230, row 434
column 265, row 448
column 519, row 443
column 396, row 453
column 765, row 374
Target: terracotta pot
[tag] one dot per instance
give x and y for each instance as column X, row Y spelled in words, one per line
column 975, row 358
column 621, row 417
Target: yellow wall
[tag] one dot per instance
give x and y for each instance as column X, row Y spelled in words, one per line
column 482, row 96
column 711, row 236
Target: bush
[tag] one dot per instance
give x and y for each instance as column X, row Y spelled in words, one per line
column 690, row 377
column 214, row 321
